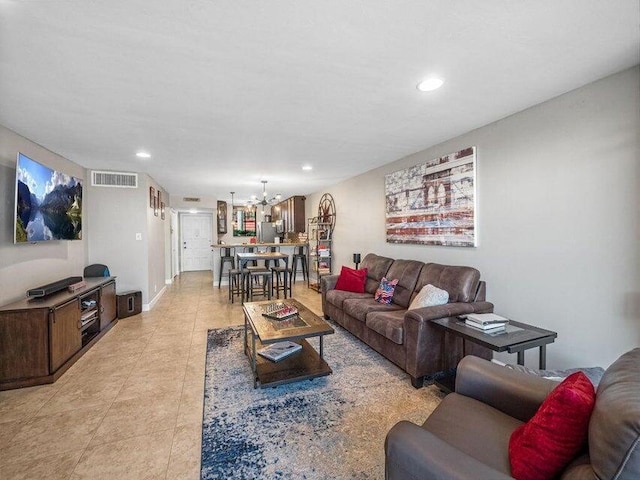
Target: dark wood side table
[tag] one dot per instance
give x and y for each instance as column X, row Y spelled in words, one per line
column 517, row 338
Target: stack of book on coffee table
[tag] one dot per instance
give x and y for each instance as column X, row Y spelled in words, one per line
column 280, row 350
column 487, row 322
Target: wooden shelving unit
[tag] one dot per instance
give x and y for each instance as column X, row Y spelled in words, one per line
column 320, row 231
column 320, row 251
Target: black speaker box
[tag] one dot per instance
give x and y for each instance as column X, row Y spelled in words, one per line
column 129, row 303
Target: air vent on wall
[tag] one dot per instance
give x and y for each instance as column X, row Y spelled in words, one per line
column 114, row 179
column 190, row 199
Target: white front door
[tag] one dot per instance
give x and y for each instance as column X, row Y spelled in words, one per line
column 175, row 245
column 196, row 241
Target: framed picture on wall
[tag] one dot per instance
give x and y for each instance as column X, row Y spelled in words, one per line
column 244, row 221
column 222, row 217
column 434, row 203
column 155, row 206
column 152, row 197
column 162, row 210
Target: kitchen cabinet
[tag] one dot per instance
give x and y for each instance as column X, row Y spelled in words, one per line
column 291, row 212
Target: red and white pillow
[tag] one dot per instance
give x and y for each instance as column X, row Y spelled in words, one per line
column 384, row 293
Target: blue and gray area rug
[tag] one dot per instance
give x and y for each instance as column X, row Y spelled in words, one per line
column 330, row 428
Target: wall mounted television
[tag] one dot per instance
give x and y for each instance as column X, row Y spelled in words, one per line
column 48, row 203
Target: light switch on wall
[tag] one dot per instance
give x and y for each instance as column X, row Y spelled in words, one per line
column 138, row 236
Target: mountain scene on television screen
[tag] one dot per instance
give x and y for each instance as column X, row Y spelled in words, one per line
column 57, row 216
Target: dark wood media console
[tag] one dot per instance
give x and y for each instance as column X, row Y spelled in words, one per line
column 41, row 338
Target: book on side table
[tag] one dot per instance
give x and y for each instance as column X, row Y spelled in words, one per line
column 486, row 321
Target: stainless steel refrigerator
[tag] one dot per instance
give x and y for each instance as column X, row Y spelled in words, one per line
column 266, row 232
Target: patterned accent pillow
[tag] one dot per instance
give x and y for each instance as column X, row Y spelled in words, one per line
column 429, row 296
column 384, row 293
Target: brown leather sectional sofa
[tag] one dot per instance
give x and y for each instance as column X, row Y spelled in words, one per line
column 406, row 337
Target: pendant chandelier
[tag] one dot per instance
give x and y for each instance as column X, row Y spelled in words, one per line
column 264, row 201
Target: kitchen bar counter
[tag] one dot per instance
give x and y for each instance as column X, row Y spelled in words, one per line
column 241, row 245
column 287, row 248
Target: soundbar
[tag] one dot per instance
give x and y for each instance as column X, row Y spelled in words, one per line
column 54, row 287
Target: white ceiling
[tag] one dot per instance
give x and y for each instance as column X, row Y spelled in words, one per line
column 224, row 93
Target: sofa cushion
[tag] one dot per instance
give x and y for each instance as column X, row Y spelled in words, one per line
column 358, row 308
column 541, row 448
column 388, row 324
column 407, row 272
column 377, row 267
column 351, row 280
column 429, row 296
column 475, row 428
column 614, row 430
column 460, row 282
column 384, row 293
column 337, row 297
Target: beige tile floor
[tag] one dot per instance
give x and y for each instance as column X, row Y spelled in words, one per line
column 131, row 407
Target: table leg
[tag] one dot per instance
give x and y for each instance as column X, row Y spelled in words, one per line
column 321, row 346
column 286, row 274
column 253, row 359
column 543, row 357
column 521, row 357
column 242, row 278
column 246, row 343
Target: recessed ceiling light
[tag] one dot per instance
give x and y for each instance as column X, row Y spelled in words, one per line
column 143, row 155
column 429, row 84
column 307, row 167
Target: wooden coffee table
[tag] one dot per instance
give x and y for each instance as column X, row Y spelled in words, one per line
column 302, row 365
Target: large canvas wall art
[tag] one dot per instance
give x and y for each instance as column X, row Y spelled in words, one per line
column 434, row 203
column 48, row 203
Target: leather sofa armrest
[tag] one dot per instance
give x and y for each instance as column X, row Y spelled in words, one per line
column 413, row 453
column 515, row 393
column 426, row 353
column 328, row 282
column 448, row 310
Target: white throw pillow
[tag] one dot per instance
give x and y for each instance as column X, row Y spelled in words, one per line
column 429, row 296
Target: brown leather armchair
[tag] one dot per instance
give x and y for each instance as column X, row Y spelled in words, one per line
column 467, row 435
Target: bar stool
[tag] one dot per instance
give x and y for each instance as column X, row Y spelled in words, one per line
column 280, row 280
column 235, row 282
column 227, row 255
column 253, row 263
column 302, row 257
column 254, row 288
column 276, row 262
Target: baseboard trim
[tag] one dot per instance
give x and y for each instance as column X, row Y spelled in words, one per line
column 148, row 306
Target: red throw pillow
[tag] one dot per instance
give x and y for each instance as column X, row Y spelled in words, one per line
column 541, row 448
column 351, row 280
